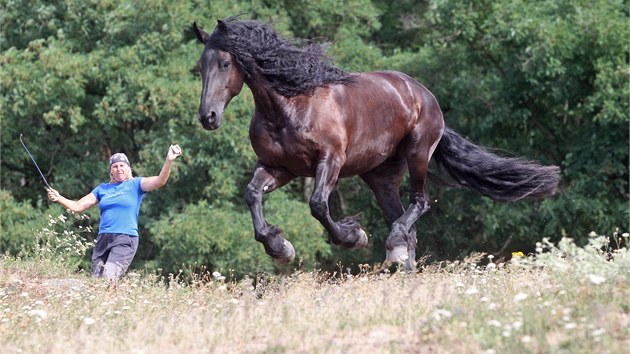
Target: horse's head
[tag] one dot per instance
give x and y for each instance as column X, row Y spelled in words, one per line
column 221, row 80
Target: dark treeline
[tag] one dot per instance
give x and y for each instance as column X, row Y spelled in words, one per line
column 81, row 80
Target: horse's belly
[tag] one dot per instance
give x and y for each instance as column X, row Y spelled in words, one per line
column 359, row 165
column 302, row 162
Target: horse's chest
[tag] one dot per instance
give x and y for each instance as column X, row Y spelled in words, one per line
column 285, row 148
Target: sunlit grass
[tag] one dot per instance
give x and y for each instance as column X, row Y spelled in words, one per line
column 563, row 299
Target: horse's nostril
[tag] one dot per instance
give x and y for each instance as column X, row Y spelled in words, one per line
column 211, row 117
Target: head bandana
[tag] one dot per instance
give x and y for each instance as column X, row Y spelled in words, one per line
column 119, row 157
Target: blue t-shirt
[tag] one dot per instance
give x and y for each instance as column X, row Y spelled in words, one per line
column 120, row 205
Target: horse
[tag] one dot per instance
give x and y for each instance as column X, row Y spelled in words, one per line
column 312, row 119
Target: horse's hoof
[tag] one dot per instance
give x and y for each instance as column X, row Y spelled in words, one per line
column 288, row 255
column 397, row 255
column 362, row 242
column 410, row 265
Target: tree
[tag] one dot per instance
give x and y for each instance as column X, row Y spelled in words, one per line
column 544, row 80
column 83, row 79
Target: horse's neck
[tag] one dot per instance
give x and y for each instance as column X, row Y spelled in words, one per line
column 268, row 101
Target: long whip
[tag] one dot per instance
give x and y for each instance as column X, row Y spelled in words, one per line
column 32, row 158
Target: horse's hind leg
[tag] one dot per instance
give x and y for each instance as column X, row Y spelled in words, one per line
column 385, row 181
column 419, row 147
column 265, row 180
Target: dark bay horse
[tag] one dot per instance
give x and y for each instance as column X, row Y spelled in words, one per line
column 313, row 119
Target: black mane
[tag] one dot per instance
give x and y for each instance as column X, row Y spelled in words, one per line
column 287, row 68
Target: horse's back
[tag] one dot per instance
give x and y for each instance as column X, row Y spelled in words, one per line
column 378, row 111
column 384, row 97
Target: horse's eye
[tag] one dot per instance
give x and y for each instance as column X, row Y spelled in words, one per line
column 224, row 65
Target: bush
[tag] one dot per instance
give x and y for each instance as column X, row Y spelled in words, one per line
column 18, row 222
column 222, row 239
column 61, row 244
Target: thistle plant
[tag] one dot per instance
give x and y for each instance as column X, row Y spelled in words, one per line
column 598, row 262
column 64, row 242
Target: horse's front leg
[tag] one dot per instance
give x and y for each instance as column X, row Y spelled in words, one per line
column 347, row 232
column 265, row 180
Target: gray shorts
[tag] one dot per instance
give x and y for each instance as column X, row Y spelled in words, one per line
column 112, row 255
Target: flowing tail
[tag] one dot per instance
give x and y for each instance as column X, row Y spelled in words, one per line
column 504, row 179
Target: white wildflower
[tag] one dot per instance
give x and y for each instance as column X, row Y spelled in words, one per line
column 520, row 297
column 517, row 324
column 596, row 279
column 567, row 311
column 472, row 291
column 526, row 339
column 598, row 332
column 39, row 313
column 88, row 321
column 570, row 325
column 494, row 323
column 441, row 313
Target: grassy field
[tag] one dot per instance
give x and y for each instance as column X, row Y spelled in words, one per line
column 564, row 299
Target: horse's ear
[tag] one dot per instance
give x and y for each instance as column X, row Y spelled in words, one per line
column 202, row 36
column 221, row 25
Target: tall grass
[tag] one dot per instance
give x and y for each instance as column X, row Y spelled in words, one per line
column 563, row 299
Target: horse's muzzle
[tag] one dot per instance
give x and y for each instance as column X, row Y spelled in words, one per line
column 210, row 121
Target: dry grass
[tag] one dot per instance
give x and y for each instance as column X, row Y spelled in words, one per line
column 565, row 299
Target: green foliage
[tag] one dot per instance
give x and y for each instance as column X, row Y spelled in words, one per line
column 600, row 261
column 332, row 19
column 215, row 238
column 18, row 224
column 84, row 79
column 530, row 79
column 63, row 243
column 305, row 233
column 222, row 239
column 59, row 240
